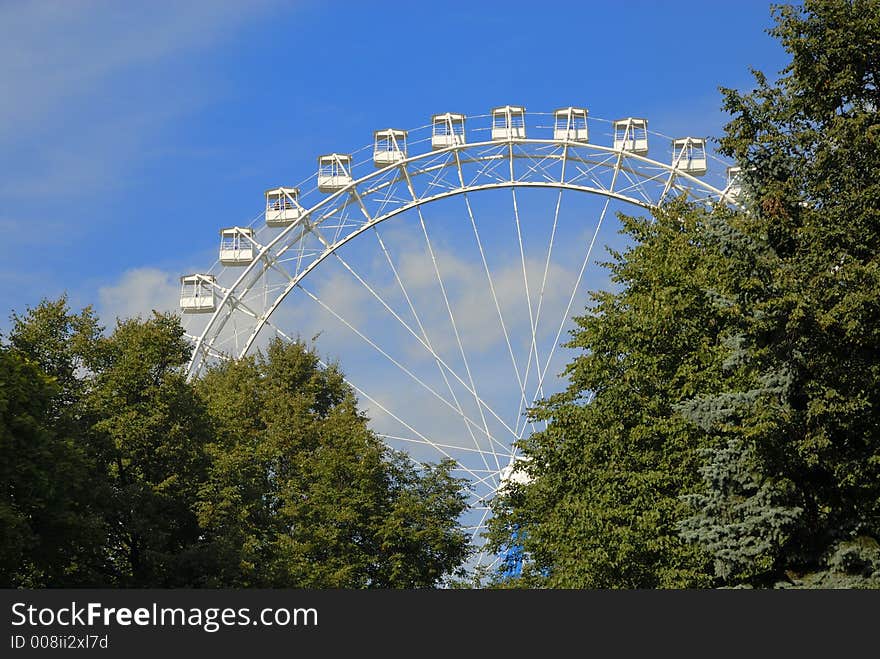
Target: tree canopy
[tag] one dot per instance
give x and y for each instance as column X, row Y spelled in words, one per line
column 721, row 425
column 117, row 471
column 302, row 492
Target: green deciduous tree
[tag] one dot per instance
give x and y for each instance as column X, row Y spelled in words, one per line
column 609, row 471
column 51, row 510
column 303, row 494
column 721, row 425
column 152, row 430
column 117, row 471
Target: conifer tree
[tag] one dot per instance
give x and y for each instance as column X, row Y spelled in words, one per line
column 739, row 444
column 793, row 483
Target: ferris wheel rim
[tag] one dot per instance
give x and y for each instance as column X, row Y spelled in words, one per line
column 669, row 169
column 209, row 343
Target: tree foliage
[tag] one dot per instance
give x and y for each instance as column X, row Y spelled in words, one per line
column 721, row 425
column 51, row 526
column 609, row 470
column 117, row 471
column 303, row 494
column 809, row 144
column 152, row 429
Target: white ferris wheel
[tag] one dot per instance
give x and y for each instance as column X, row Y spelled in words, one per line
column 442, row 266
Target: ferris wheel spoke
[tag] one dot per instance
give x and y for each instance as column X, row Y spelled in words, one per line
column 452, row 322
column 400, row 366
column 533, row 346
column 522, row 400
column 489, row 479
column 564, row 319
column 472, row 388
column 481, row 526
column 427, row 441
column 424, row 333
column 469, row 388
column 496, row 560
column 452, row 447
column 571, row 298
column 280, row 332
column 491, row 475
column 421, row 341
column 473, row 222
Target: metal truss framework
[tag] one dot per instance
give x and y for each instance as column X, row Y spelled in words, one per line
column 284, row 257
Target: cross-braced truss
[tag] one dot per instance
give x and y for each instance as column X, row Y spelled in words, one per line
column 249, row 297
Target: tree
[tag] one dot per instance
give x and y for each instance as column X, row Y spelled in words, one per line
column 59, row 342
column 793, row 485
column 51, row 528
column 608, row 473
column 118, row 471
column 121, row 437
column 755, row 405
column 153, row 431
column 301, row 492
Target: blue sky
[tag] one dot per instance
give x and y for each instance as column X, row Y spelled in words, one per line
column 129, row 132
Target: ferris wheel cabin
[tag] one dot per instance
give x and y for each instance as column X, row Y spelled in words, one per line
column 689, row 155
column 334, row 172
column 236, row 246
column 508, row 122
column 570, row 125
column 197, row 293
column 631, row 135
column 734, row 182
column 282, row 206
column 389, row 147
column 447, row 130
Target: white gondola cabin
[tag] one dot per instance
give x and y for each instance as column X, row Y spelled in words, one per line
column 508, row 122
column 197, row 294
column 389, row 147
column 447, row 130
column 334, row 172
column 631, row 135
column 570, row 124
column 282, row 206
column 734, row 182
column 689, row 155
column 236, row 246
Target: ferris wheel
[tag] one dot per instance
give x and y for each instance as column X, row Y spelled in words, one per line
column 442, row 266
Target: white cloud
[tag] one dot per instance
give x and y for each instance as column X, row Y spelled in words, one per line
column 88, row 85
column 53, row 54
column 473, row 306
column 138, row 292
column 89, row 89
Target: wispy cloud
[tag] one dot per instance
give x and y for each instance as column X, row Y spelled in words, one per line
column 55, row 56
column 138, row 292
column 90, row 91
column 87, row 83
